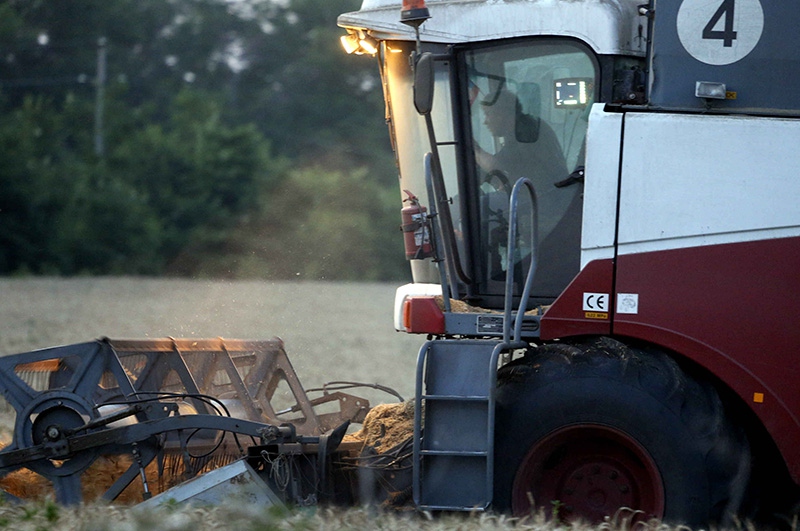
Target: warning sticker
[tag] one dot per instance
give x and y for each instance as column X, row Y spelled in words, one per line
column 628, row 303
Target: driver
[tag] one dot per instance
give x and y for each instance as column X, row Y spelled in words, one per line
column 526, row 146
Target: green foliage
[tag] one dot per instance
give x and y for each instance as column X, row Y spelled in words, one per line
column 197, row 175
column 321, row 225
column 162, row 188
column 316, row 101
column 34, row 169
column 343, row 225
column 52, row 512
column 207, row 105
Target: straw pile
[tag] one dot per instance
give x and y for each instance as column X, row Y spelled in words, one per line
column 386, row 426
column 95, row 481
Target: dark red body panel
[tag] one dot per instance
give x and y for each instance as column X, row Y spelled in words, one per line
column 732, row 308
column 566, row 316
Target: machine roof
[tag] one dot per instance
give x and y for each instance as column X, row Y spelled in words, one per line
column 608, row 26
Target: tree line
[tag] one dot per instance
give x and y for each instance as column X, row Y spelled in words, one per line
column 192, row 137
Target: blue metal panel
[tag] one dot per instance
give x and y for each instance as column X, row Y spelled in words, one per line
column 748, row 45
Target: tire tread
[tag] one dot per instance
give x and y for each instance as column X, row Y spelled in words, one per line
column 722, row 446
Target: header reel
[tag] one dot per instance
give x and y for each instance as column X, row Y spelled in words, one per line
column 162, row 410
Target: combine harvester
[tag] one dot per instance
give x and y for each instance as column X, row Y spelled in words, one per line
column 600, row 215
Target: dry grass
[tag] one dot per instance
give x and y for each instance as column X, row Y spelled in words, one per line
column 243, row 517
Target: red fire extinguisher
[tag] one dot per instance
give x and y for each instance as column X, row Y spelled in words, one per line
column 416, row 229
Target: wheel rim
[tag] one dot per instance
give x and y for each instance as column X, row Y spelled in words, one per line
column 588, row 472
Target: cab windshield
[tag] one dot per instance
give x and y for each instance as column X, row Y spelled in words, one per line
column 528, row 104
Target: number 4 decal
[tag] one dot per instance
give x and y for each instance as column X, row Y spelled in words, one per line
column 720, row 32
column 727, row 35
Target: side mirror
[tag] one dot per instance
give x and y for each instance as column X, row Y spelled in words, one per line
column 423, row 83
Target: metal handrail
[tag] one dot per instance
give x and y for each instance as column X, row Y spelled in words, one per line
column 511, row 250
column 446, row 270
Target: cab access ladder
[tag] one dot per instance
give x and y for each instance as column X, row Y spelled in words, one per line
column 455, row 403
column 454, row 424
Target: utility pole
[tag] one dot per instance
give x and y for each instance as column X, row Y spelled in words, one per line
column 100, row 88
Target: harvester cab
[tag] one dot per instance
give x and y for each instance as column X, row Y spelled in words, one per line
column 496, row 94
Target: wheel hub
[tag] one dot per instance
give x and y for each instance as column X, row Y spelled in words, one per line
column 588, row 471
column 599, row 484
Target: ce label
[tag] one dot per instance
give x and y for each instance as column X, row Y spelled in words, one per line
column 595, row 302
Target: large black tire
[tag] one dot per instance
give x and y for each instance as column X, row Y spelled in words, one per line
column 585, row 429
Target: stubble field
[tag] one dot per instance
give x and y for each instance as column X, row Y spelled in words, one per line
column 331, row 330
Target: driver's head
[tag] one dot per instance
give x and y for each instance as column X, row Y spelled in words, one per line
column 500, row 113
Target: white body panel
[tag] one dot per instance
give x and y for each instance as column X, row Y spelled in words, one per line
column 689, row 180
column 600, row 186
column 608, row 26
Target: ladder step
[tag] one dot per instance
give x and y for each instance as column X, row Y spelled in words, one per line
column 468, row 398
column 451, row 508
column 461, row 453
